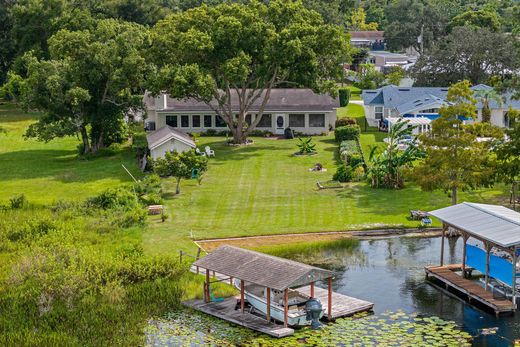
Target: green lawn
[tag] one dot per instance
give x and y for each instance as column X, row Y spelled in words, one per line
column 263, row 189
column 45, row 172
column 257, row 189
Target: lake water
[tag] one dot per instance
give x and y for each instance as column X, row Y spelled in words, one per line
column 390, row 273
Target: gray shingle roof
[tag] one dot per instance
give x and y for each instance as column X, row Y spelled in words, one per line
column 396, row 97
column 281, row 99
column 167, row 133
column 494, row 223
column 262, row 269
column 426, row 101
column 393, row 96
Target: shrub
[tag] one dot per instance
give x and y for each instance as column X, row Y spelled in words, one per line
column 359, row 173
column 341, row 122
column 306, row 146
column 349, row 132
column 354, row 160
column 343, row 174
column 260, row 133
column 114, row 198
column 209, row 132
column 18, row 201
column 344, row 96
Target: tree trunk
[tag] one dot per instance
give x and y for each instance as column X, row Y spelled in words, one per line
column 486, row 113
column 84, row 138
column 178, row 187
column 238, row 135
column 454, row 195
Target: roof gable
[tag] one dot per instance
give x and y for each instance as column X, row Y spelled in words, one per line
column 166, row 133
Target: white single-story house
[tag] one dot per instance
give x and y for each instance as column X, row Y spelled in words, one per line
column 392, row 101
column 167, row 139
column 302, row 110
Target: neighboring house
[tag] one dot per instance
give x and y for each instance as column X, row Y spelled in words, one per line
column 384, row 60
column 392, row 101
column 167, row 139
column 302, row 110
column 372, row 40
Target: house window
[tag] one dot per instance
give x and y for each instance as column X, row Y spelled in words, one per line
column 249, row 119
column 195, row 121
column 185, row 121
column 171, row 121
column 379, row 112
column 297, row 120
column 219, row 122
column 316, row 120
column 265, row 122
column 208, row 122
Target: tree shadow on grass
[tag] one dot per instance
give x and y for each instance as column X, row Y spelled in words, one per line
column 63, row 165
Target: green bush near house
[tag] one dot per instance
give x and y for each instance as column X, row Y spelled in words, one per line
column 340, row 122
column 349, row 132
column 344, row 96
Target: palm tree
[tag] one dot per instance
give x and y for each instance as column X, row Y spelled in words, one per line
column 386, row 168
column 485, row 96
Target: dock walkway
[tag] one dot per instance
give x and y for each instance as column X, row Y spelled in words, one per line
column 472, row 290
column 342, row 306
column 226, row 310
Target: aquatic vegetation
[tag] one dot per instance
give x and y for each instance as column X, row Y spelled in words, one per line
column 328, row 254
column 187, row 327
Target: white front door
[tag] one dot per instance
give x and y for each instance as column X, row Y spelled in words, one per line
column 279, row 120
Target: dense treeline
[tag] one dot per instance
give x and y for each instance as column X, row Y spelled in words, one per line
column 28, row 24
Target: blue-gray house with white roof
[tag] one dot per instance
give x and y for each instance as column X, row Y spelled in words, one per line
column 394, row 102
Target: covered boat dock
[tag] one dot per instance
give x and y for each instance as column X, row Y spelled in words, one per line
column 229, row 263
column 495, row 228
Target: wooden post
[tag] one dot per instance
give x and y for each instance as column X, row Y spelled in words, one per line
column 285, row 307
column 197, row 269
column 198, row 253
column 444, row 227
column 465, row 239
column 488, row 250
column 206, row 294
column 312, row 289
column 230, row 281
column 242, row 295
column 268, row 304
column 180, row 257
column 330, row 299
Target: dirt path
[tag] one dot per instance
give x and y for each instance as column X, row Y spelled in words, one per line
column 273, row 240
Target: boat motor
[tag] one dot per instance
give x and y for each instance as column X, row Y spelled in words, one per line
column 313, row 308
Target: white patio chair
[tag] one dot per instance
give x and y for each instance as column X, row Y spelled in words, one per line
column 199, row 152
column 209, row 152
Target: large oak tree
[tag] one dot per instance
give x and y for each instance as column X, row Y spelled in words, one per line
column 214, row 54
column 92, row 79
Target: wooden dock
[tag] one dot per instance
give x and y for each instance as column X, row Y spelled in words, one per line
column 226, row 310
column 342, row 305
column 469, row 289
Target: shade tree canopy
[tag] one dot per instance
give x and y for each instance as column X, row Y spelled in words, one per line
column 235, row 51
column 93, row 77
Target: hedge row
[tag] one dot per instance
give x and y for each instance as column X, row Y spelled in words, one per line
column 348, row 132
